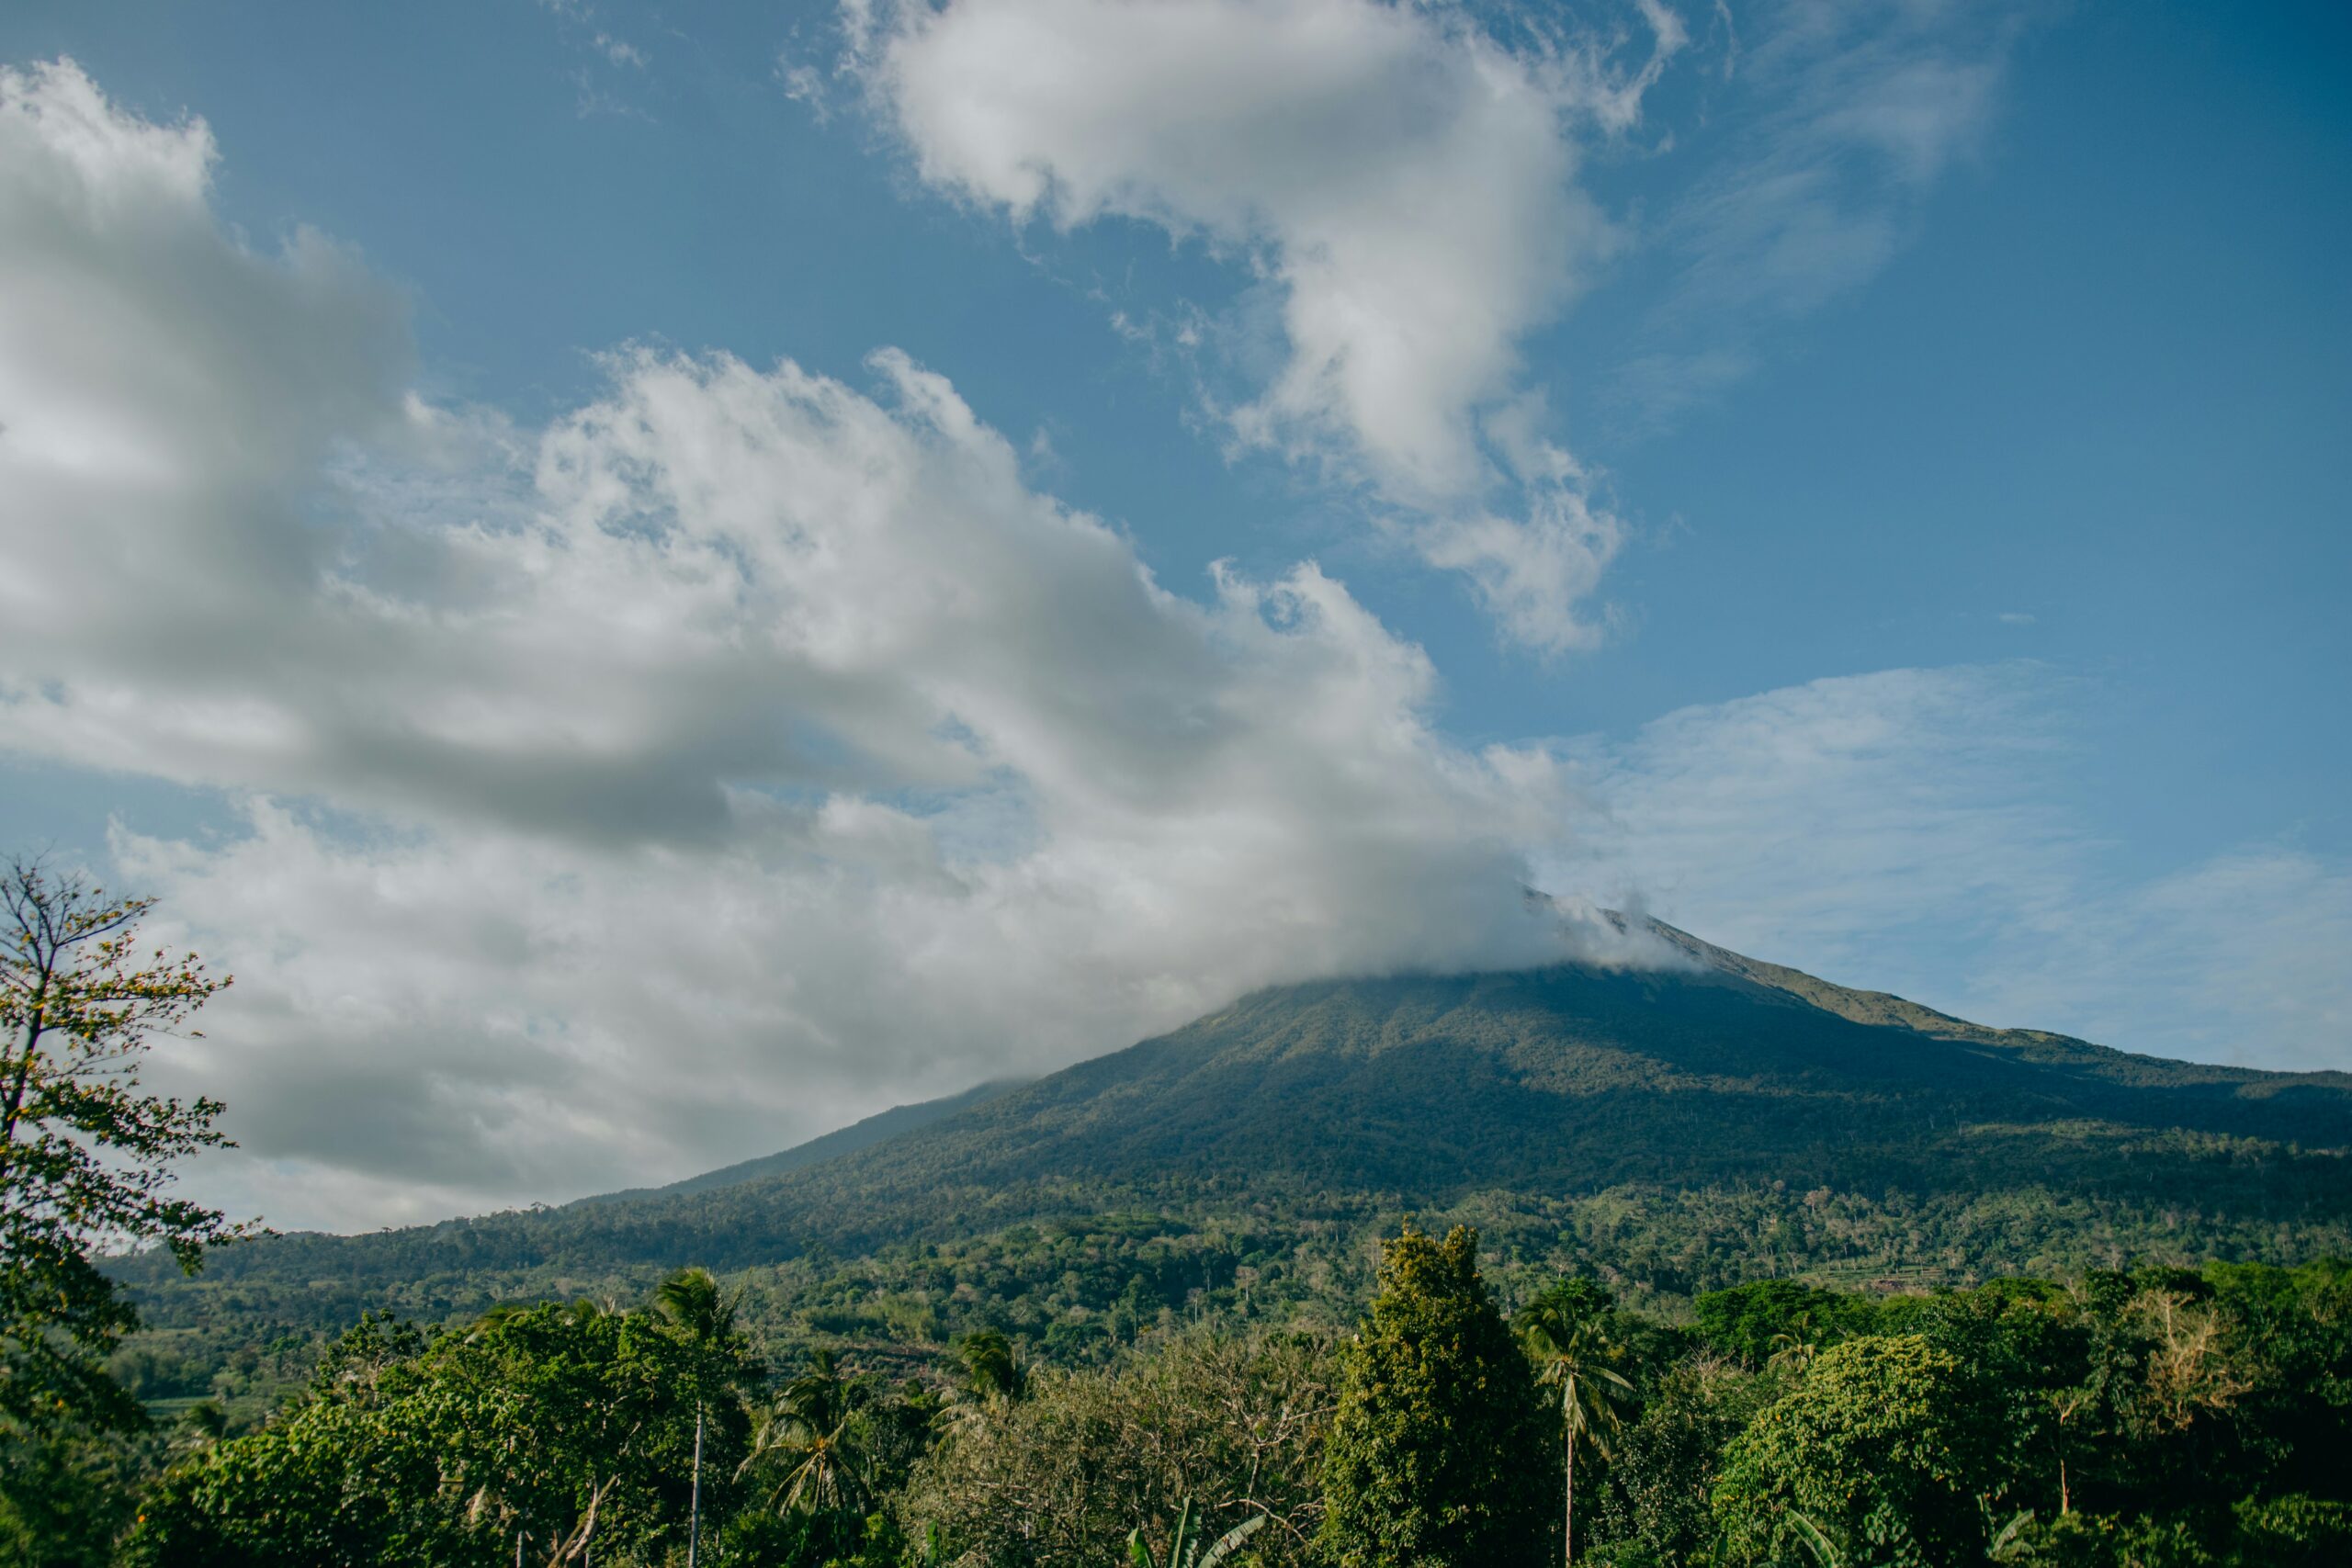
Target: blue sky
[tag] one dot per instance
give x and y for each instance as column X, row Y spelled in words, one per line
column 1865, row 481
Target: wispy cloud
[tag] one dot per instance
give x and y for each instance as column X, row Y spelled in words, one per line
column 1833, row 122
column 1897, row 831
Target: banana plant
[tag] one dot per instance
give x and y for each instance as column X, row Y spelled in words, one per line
column 1184, row 1549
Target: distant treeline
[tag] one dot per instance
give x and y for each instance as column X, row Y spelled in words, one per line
column 1081, row 1268
column 2147, row 1418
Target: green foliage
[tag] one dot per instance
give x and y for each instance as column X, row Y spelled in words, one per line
column 1654, row 1504
column 562, row 1427
column 85, row 1155
column 1758, row 1322
column 1441, row 1447
column 64, row 1499
column 2116, row 1420
column 1882, row 1454
column 1185, row 1547
column 1213, row 1430
column 2292, row 1531
column 990, row 1367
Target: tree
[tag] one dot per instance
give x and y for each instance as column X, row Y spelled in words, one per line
column 1886, row 1453
column 808, row 1446
column 1210, row 1430
column 557, row 1433
column 1656, row 1494
column 690, row 1300
column 1566, row 1330
column 1185, row 1548
column 86, row 1156
column 1440, row 1447
column 989, row 1365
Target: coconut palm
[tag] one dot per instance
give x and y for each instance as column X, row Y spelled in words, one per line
column 989, row 1365
column 691, row 1299
column 1565, row 1330
column 808, row 1446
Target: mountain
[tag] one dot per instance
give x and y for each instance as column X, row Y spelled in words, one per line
column 1703, row 1121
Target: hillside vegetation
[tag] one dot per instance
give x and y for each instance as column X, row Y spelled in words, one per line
column 1677, row 1130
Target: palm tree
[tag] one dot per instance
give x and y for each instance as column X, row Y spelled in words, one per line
column 1794, row 1346
column 989, row 1365
column 808, row 1443
column 691, row 1299
column 1565, row 1330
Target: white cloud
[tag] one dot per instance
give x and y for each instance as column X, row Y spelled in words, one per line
column 1404, row 183
column 664, row 786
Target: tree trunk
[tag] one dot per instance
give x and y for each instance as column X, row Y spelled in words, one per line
column 1569, row 1507
column 694, row 1520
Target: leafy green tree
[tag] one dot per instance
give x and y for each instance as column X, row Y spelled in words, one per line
column 2293, row 1532
column 65, row 1499
column 1654, row 1505
column 1566, row 1330
column 1231, row 1426
column 1782, row 1320
column 1886, row 1453
column 86, row 1156
column 690, row 1299
column 990, row 1367
column 1442, row 1449
column 555, row 1431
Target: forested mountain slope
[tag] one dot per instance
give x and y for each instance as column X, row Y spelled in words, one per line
column 1679, row 1125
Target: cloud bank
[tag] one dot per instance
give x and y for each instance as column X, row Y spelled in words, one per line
column 647, row 790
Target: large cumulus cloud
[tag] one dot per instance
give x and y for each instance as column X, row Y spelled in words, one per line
column 671, row 782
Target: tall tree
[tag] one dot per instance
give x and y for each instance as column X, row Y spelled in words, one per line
column 1888, row 1453
column 560, row 1434
column 1440, row 1445
column 1566, row 1330
column 85, row 1155
column 692, row 1302
column 808, row 1461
